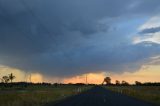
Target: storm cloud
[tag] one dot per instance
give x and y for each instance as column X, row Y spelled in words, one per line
column 69, row 37
column 150, row 30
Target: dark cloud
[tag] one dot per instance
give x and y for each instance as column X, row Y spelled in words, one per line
column 150, row 30
column 74, row 36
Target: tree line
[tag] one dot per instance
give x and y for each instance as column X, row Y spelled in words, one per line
column 107, row 80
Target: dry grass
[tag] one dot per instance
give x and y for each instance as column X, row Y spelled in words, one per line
column 146, row 93
column 36, row 96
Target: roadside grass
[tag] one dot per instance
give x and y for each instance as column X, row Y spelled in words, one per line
column 146, row 93
column 37, row 95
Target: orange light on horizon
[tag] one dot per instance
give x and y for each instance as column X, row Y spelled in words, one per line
column 36, row 78
column 151, row 74
column 92, row 78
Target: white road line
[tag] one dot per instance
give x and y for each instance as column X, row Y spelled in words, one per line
column 104, row 100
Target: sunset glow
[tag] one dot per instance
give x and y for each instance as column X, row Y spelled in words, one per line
column 80, row 41
column 149, row 74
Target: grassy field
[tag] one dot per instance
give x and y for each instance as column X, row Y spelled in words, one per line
column 37, row 95
column 146, row 93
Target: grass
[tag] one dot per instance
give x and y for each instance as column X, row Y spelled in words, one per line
column 36, row 95
column 146, row 93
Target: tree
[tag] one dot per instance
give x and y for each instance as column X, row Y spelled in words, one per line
column 107, row 80
column 125, row 83
column 138, row 83
column 5, row 79
column 1, row 80
column 11, row 77
column 117, row 82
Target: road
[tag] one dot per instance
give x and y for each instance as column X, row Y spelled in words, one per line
column 99, row 96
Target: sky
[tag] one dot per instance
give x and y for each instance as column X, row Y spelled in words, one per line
column 65, row 40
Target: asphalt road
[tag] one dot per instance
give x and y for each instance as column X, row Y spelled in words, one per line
column 99, row 96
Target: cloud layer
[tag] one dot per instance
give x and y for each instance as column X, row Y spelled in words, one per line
column 150, row 30
column 75, row 36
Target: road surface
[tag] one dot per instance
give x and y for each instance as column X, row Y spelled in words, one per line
column 99, row 96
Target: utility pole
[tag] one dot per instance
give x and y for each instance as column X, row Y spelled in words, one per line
column 30, row 78
column 86, row 79
column 25, row 77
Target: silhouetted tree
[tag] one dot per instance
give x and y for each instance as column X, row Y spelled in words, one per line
column 117, row 82
column 1, row 80
column 5, row 79
column 138, row 83
column 11, row 77
column 107, row 80
column 124, row 83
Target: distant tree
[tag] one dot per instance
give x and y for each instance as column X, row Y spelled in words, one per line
column 11, row 77
column 107, row 80
column 124, row 83
column 1, row 80
column 138, row 83
column 5, row 79
column 117, row 82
